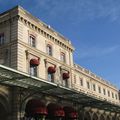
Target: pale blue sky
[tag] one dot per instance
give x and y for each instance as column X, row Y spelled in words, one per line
column 93, row 26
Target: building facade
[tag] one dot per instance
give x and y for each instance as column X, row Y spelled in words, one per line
column 57, row 88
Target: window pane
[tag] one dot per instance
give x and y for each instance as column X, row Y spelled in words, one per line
column 88, row 85
column 50, row 77
column 65, row 83
column 32, row 40
column 62, row 57
column 94, row 88
column 104, row 92
column 49, row 50
column 99, row 89
column 81, row 81
column 108, row 93
column 33, row 71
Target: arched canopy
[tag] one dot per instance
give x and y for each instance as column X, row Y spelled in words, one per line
column 35, row 107
column 34, row 62
column 65, row 76
column 55, row 110
column 51, row 69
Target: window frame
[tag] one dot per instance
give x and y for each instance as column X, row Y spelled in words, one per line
column 104, row 91
column 50, row 77
column 94, row 87
column 32, row 40
column 113, row 95
column 81, row 81
column 88, row 85
column 63, row 57
column 108, row 93
column 33, row 70
column 49, row 49
column 99, row 89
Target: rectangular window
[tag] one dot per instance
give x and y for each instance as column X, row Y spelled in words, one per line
column 112, row 95
column 2, row 39
column 116, row 96
column 99, row 89
column 88, row 85
column 81, row 82
column 108, row 93
column 104, row 91
column 49, row 50
column 32, row 40
column 94, row 87
column 33, row 70
column 62, row 57
column 65, row 83
column 50, row 77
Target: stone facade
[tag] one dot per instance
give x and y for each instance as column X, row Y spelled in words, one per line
column 32, row 47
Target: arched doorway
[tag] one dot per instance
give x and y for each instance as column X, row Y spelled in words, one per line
column 3, row 113
column 117, row 118
column 108, row 118
column 55, row 111
column 35, row 109
column 113, row 118
column 70, row 113
column 87, row 116
column 102, row 117
column 95, row 117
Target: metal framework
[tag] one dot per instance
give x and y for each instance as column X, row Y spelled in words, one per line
column 11, row 77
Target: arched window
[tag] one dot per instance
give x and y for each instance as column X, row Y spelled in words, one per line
column 49, row 50
column 32, row 40
column 35, row 110
column 62, row 57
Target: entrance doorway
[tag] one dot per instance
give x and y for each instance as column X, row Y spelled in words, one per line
column 3, row 113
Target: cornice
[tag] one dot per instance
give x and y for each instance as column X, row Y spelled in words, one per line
column 46, row 33
column 34, row 23
column 94, row 77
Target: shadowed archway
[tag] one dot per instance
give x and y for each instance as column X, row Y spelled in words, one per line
column 102, row 117
column 3, row 113
column 108, row 118
column 95, row 117
column 87, row 116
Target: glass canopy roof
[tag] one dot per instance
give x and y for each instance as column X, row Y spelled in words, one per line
column 11, row 77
